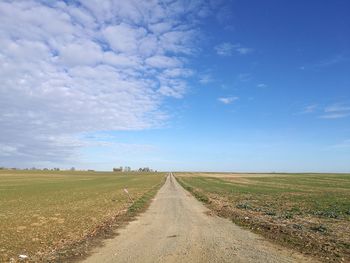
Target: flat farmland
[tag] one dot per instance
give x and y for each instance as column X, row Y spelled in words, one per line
column 307, row 212
column 44, row 213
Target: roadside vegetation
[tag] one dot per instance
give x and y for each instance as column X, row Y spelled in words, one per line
column 308, row 212
column 55, row 215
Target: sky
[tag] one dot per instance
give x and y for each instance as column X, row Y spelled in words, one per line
column 175, row 85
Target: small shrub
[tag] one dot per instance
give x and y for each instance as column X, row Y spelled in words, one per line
column 297, row 226
column 270, row 213
column 320, row 228
column 244, row 206
column 201, row 197
column 287, row 215
column 327, row 213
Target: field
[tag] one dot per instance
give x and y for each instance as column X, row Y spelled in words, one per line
column 308, row 212
column 46, row 213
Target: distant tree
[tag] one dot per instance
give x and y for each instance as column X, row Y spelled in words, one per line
column 145, row 169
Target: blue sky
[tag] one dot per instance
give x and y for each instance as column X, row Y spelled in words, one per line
column 176, row 85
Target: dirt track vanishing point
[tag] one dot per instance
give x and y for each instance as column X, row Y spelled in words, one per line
column 178, row 228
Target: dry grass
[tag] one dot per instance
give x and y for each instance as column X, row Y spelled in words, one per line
column 42, row 212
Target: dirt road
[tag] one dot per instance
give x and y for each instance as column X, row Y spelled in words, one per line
column 177, row 228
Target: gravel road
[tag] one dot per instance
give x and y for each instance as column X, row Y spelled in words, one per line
column 178, row 228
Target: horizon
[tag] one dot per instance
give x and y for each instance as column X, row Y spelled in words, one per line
column 200, row 85
column 58, row 169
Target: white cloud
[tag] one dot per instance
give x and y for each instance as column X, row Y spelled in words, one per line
column 124, row 38
column 83, row 53
column 337, row 108
column 244, row 77
column 227, row 100
column 121, row 60
column 177, row 72
column 335, row 115
column 325, row 63
column 336, row 111
column 171, row 91
column 244, row 50
column 225, row 49
column 7, row 150
column 228, row 49
column 262, row 85
column 205, row 78
column 69, row 68
column 310, row 109
column 331, row 61
column 178, row 41
column 163, row 62
column 160, row 28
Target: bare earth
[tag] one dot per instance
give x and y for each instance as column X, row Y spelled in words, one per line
column 178, row 228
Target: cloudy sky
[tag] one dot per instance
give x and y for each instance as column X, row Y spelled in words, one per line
column 175, row 84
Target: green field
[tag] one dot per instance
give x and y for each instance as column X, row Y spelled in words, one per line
column 310, row 212
column 44, row 211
